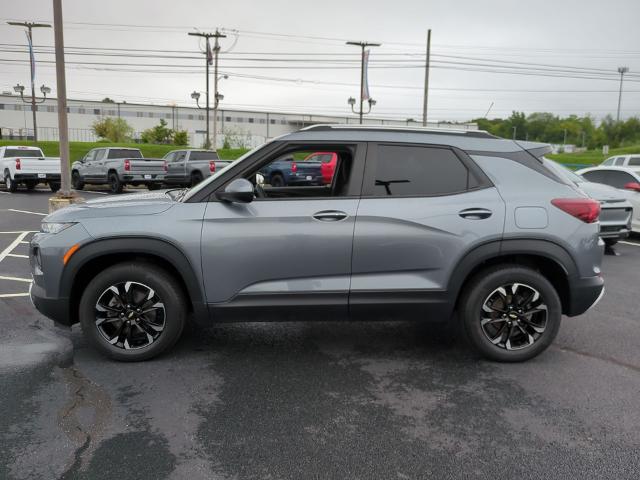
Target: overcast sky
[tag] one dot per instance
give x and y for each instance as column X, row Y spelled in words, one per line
column 564, row 38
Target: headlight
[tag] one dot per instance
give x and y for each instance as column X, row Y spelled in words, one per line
column 49, row 227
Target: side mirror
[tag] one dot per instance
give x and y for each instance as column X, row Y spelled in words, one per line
column 635, row 186
column 238, row 191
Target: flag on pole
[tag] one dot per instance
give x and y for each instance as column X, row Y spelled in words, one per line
column 31, row 58
column 365, row 83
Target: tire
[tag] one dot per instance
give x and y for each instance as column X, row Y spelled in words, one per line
column 76, row 181
column 133, row 344
column 610, row 242
column 196, row 178
column 54, row 186
column 9, row 183
column 277, row 180
column 154, row 186
column 31, row 185
column 115, row 186
column 503, row 339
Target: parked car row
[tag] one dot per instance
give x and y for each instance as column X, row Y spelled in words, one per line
column 116, row 167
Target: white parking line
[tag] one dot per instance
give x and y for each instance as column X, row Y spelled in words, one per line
column 16, row 279
column 21, row 231
column 26, row 211
column 17, row 255
column 9, row 295
column 630, row 243
column 12, row 245
column 25, row 241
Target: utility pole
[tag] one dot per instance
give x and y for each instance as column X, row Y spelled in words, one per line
column 207, row 54
column 426, row 80
column 621, row 71
column 30, row 26
column 515, row 129
column 61, row 84
column 217, row 97
column 372, row 102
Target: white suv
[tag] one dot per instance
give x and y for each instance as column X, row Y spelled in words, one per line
column 631, row 161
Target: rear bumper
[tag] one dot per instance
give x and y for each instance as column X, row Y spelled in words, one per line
column 584, row 293
column 142, row 178
column 48, row 177
column 57, row 309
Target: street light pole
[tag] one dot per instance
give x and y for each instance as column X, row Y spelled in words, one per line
column 207, row 36
column 621, row 71
column 216, row 95
column 362, row 45
column 30, row 26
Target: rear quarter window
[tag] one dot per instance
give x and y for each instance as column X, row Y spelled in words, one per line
column 634, row 162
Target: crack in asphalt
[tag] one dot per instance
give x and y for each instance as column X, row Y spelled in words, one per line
column 603, row 358
column 85, row 394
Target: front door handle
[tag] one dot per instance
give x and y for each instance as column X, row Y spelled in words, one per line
column 330, row 215
column 475, row 213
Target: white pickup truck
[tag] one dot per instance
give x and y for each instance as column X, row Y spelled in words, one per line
column 28, row 166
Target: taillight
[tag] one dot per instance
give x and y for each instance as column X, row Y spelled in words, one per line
column 212, row 166
column 294, row 167
column 127, row 165
column 165, row 167
column 585, row 209
column 18, row 164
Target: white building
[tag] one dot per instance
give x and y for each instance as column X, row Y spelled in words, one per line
column 251, row 128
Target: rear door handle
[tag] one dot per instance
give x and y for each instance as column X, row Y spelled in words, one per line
column 330, row 215
column 475, row 213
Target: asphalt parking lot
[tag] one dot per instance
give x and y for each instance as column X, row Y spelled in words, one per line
column 325, row 400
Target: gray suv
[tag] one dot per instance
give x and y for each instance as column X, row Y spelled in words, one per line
column 412, row 224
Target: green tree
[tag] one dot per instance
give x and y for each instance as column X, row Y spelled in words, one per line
column 158, row 134
column 180, row 137
column 112, row 129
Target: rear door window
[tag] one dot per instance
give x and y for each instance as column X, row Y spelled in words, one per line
column 405, row 170
column 619, row 161
column 597, row 176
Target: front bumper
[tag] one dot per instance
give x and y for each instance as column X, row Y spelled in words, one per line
column 37, row 177
column 584, row 293
column 57, row 309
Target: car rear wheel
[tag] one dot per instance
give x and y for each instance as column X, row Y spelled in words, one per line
column 115, row 186
column 133, row 312
column 10, row 184
column 610, row 242
column 277, row 180
column 54, row 186
column 76, row 181
column 196, row 178
column 510, row 313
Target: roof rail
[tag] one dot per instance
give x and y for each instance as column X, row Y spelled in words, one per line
column 400, row 128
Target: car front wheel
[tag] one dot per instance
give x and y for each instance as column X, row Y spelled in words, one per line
column 133, row 312
column 510, row 313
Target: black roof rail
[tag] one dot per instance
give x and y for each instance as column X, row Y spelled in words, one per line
column 408, row 129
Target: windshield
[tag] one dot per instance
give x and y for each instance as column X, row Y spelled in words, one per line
column 124, row 153
column 564, row 172
column 219, row 173
column 19, row 152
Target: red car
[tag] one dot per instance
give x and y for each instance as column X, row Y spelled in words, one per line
column 328, row 160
